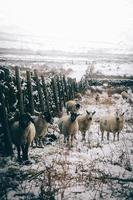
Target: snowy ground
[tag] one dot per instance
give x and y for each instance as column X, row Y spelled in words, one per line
column 101, row 67
column 77, row 70
column 95, row 170
column 117, row 69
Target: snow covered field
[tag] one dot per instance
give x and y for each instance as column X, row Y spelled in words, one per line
column 90, row 170
column 101, row 68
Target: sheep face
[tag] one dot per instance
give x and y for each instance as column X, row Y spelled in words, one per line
column 48, row 117
column 119, row 117
column 90, row 115
column 73, row 116
column 77, row 106
column 25, row 120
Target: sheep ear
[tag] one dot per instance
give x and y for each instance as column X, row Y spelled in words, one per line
column 93, row 112
column 30, row 117
column 124, row 113
column 40, row 114
column 87, row 112
column 32, row 120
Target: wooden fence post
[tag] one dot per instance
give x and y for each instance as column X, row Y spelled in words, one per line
column 55, row 95
column 62, row 88
column 45, row 94
column 65, row 88
column 7, row 137
column 20, row 94
column 30, row 92
column 59, row 93
column 71, row 91
column 75, row 86
column 39, row 90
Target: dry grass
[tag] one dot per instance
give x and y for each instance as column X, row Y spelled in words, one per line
column 107, row 101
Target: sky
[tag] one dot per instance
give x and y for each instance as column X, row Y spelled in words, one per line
column 100, row 21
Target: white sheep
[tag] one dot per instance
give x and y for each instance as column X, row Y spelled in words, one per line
column 68, row 126
column 84, row 122
column 23, row 133
column 125, row 95
column 113, row 122
column 41, row 123
column 72, row 106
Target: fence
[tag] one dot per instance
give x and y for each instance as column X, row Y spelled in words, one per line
column 30, row 93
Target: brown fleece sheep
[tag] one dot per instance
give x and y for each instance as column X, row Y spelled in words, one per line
column 72, row 106
column 41, row 124
column 84, row 122
column 68, row 126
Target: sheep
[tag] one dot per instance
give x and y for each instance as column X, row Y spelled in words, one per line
column 113, row 122
column 97, row 98
column 68, row 126
column 78, row 96
column 41, row 124
column 84, row 122
column 124, row 95
column 72, row 106
column 23, row 133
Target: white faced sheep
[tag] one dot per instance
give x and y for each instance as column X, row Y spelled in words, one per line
column 112, row 123
column 23, row 133
column 68, row 126
column 84, row 122
column 72, row 106
column 41, row 124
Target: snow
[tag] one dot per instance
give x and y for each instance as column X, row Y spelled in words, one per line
column 117, row 69
column 77, row 70
column 100, row 67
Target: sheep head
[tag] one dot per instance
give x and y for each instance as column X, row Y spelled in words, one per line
column 90, row 114
column 119, row 116
column 77, row 106
column 48, row 117
column 74, row 116
column 25, row 119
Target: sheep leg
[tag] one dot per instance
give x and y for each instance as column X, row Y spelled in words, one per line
column 18, row 150
column 32, row 144
column 40, row 142
column 25, row 151
column 108, row 136
column 36, row 141
column 118, row 136
column 65, row 139
column 71, row 140
column 114, row 136
column 83, row 136
column 68, row 140
column 102, row 135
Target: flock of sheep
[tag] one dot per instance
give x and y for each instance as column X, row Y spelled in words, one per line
column 34, row 128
